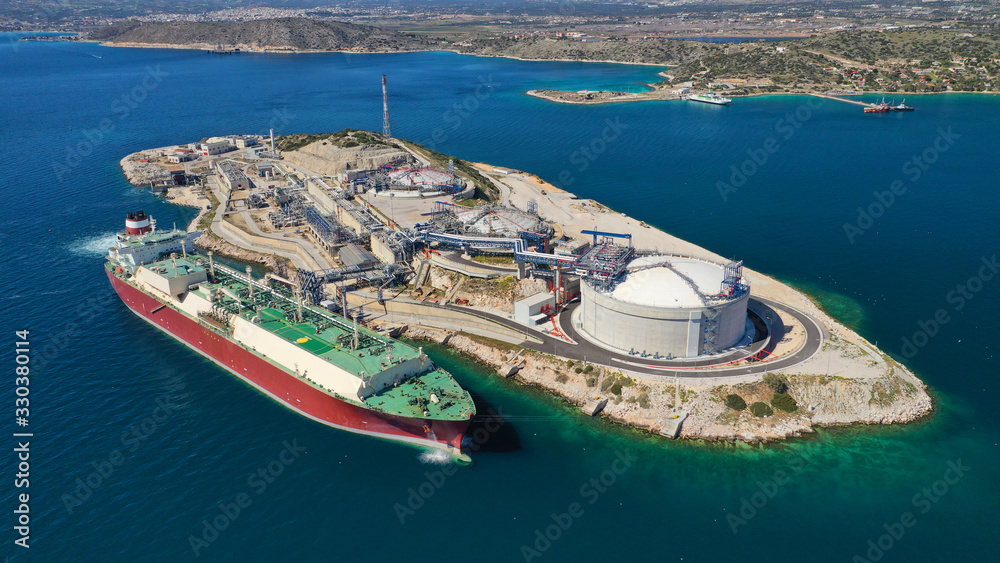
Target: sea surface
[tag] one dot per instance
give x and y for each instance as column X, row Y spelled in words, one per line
column 141, row 449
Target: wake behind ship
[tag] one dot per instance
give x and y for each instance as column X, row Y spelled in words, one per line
column 312, row 361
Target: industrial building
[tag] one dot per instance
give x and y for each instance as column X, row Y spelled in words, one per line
column 179, row 157
column 216, row 147
column 233, row 176
column 535, row 309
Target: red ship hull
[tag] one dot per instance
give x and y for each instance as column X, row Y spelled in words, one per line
column 284, row 387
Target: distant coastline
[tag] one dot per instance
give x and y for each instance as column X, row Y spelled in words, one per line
column 296, row 51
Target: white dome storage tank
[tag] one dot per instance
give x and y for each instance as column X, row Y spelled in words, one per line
column 668, row 305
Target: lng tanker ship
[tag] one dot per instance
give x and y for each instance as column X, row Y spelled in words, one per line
column 316, row 363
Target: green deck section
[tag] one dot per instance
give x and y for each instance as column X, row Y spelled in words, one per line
column 332, row 338
column 415, row 396
column 172, row 268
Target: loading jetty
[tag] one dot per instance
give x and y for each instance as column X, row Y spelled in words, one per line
column 220, row 50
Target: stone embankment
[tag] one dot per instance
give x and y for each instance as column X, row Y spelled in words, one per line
column 326, row 158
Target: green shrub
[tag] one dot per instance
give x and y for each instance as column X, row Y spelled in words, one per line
column 776, row 382
column 588, row 369
column 578, row 370
column 562, row 378
column 643, row 400
column 607, row 383
column 761, row 409
column 784, row 401
column 735, row 402
column 591, row 381
column 616, row 388
column 569, row 363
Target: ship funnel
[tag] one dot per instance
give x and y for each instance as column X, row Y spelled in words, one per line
column 137, row 223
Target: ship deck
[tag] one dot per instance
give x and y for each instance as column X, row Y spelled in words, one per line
column 332, row 338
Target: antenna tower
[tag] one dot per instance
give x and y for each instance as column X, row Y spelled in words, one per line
column 386, row 128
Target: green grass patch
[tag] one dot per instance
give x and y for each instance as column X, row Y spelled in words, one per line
column 735, row 402
column 784, row 402
column 760, row 410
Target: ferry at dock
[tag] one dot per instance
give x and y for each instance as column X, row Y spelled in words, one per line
column 709, row 98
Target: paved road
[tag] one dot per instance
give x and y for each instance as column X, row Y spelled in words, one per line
column 773, row 314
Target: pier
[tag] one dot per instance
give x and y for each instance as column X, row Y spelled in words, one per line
column 220, row 50
column 839, row 99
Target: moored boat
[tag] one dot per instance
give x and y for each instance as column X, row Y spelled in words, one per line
column 319, row 364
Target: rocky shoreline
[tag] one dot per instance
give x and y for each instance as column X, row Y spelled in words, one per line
column 219, row 246
column 895, row 398
column 140, row 173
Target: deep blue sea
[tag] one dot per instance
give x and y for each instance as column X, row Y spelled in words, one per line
column 140, row 445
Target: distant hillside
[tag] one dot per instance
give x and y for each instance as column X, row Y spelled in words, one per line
column 293, row 33
column 925, row 44
column 650, row 50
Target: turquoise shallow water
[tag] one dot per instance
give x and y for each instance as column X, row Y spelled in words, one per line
column 98, row 370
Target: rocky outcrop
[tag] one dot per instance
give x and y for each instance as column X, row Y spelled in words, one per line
column 497, row 294
column 140, row 173
column 277, row 265
column 324, row 157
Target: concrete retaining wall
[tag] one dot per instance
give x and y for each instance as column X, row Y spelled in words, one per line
column 449, row 319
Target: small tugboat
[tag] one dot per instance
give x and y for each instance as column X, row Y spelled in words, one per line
column 902, row 107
